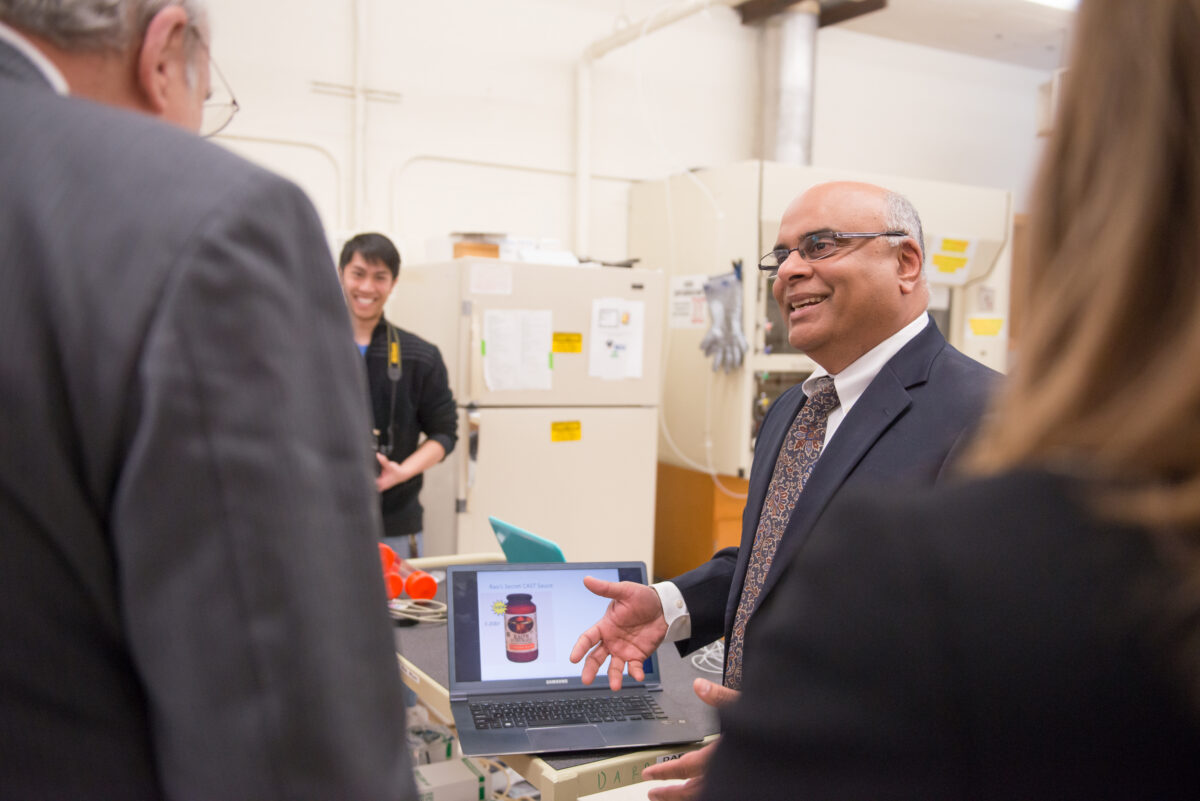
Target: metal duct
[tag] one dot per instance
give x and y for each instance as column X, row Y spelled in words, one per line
column 788, row 69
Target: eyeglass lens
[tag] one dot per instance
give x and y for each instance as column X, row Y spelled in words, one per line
column 216, row 116
column 812, row 248
column 221, row 105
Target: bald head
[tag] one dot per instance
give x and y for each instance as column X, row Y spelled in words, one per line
column 898, row 214
column 845, row 297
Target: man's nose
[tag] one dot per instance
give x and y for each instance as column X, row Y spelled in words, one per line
column 794, row 266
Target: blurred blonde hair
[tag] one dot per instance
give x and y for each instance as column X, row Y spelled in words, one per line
column 1107, row 379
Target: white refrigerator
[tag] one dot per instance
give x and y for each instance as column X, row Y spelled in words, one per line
column 556, row 371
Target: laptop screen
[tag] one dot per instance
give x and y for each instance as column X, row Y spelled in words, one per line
column 512, row 627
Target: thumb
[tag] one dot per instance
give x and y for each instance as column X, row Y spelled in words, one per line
column 713, row 694
column 605, row 589
column 383, row 460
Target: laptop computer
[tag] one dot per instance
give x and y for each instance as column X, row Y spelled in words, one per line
column 513, row 689
column 520, row 545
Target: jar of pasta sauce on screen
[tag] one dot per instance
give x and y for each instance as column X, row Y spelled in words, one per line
column 520, row 628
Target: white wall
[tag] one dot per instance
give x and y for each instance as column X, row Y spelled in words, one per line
column 472, row 124
column 477, row 132
column 895, row 108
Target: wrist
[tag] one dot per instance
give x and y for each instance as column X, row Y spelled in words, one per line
column 675, row 617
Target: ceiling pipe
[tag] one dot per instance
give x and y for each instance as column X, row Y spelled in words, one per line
column 583, row 103
column 358, row 212
column 788, row 77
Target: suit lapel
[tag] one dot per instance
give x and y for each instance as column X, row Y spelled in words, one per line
column 884, row 400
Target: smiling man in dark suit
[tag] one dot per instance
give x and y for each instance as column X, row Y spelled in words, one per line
column 192, row 604
column 890, row 403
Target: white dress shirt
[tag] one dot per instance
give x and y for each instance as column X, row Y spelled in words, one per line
column 850, row 384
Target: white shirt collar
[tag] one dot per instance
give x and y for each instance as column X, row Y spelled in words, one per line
column 853, row 381
column 43, row 64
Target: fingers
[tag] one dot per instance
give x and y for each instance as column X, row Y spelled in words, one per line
column 585, row 643
column 684, row 791
column 595, row 660
column 714, row 694
column 593, row 663
column 616, row 671
column 689, row 766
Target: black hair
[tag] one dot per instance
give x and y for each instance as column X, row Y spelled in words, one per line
column 374, row 248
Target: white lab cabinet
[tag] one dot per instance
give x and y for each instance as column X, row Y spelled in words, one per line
column 555, row 370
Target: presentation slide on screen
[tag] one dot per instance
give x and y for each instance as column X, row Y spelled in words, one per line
column 529, row 621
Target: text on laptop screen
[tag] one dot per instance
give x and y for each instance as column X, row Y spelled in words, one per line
column 522, row 624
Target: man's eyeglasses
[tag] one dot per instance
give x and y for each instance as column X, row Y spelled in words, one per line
column 220, row 105
column 820, row 245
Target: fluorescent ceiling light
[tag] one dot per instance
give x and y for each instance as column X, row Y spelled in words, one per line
column 1065, row 5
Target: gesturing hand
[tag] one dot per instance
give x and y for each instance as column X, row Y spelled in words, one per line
column 630, row 632
column 390, row 473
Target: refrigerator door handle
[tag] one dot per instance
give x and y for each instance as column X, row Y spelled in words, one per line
column 473, row 418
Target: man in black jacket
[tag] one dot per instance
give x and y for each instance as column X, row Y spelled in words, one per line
column 410, row 391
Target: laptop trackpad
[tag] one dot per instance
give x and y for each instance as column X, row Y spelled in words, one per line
column 565, row 738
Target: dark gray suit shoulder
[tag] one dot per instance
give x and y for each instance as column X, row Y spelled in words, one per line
column 75, row 150
column 172, row 333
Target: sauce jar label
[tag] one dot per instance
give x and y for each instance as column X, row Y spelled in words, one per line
column 520, row 628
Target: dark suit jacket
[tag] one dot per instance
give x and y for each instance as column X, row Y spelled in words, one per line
column 906, row 428
column 192, row 604
column 985, row 641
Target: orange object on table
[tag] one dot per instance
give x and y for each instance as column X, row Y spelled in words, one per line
column 402, row 578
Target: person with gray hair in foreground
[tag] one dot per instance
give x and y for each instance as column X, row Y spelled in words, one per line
column 193, row 606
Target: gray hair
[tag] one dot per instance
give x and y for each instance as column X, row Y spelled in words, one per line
column 92, row 24
column 901, row 215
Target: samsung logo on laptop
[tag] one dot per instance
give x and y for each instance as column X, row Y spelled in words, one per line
column 556, row 681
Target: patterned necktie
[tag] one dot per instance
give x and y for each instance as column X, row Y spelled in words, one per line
column 799, row 453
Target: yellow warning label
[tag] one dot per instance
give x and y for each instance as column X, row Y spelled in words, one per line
column 986, row 326
column 569, row 431
column 955, row 245
column 949, row 264
column 567, row 343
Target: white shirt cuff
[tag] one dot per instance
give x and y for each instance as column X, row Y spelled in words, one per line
column 679, row 622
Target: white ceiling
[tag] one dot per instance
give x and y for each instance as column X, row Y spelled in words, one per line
column 1013, row 31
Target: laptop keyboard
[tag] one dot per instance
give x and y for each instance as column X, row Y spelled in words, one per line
column 563, row 712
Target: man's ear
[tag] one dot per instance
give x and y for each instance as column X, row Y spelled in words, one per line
column 163, row 52
column 909, row 263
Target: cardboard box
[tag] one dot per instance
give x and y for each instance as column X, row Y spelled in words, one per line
column 455, row 780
